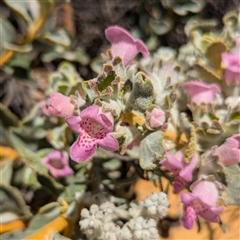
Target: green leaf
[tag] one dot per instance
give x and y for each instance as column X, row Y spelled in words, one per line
column 6, row 171
column 106, row 82
column 20, row 60
column 18, row 48
column 20, row 7
column 27, row 177
column 112, row 165
column 58, row 36
column 7, row 117
column 7, row 31
column 151, row 149
column 234, row 116
column 231, row 194
column 161, row 26
column 50, row 56
column 69, row 72
column 182, row 8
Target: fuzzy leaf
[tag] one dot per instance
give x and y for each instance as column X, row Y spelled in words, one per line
column 231, row 194
column 151, row 149
column 69, row 72
column 58, row 36
column 142, row 94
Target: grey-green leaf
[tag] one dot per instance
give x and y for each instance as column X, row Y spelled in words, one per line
column 231, row 195
column 151, row 149
column 142, row 95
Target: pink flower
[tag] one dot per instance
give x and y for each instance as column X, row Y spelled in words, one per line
column 201, row 92
column 229, row 152
column 202, row 201
column 57, row 164
column 156, row 118
column 124, row 45
column 60, row 105
column 183, row 172
column 95, row 128
column 231, row 64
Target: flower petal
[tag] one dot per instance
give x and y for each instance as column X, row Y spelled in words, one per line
column 90, row 112
column 172, row 163
column 80, row 152
column 186, row 197
column 74, row 123
column 187, row 171
column 212, row 214
column 206, row 192
column 109, row 143
column 124, row 45
column 105, row 122
column 188, row 217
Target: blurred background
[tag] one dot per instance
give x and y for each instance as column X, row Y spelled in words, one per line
column 37, row 35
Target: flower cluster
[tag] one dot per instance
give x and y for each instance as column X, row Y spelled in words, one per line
column 174, row 119
column 99, row 221
column 169, row 116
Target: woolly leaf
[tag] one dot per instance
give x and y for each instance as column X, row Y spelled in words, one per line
column 142, row 94
column 231, row 194
column 58, row 36
column 151, row 149
column 69, row 72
